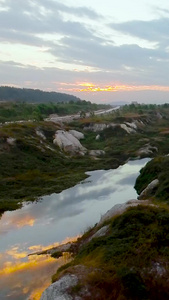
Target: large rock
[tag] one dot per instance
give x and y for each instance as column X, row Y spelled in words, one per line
column 101, row 232
column 147, row 150
column 127, row 128
column 132, row 125
column 11, row 141
column 96, row 152
column 77, row 134
column 96, row 127
column 149, row 189
column 67, row 142
column 40, row 134
column 118, row 209
column 59, row 289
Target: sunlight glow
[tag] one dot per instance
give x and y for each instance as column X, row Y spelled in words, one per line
column 90, row 87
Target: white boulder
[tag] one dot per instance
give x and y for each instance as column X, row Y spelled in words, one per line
column 11, row 141
column 101, row 232
column 67, row 142
column 148, row 190
column 59, row 289
column 77, row 134
column 146, row 150
column 132, row 125
column 96, row 152
column 118, row 209
column 127, row 129
column 40, row 134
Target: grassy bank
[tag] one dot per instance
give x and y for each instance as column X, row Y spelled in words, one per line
column 32, row 166
column 130, row 262
column 158, row 168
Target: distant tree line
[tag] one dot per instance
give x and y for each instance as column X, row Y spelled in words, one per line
column 33, row 96
column 144, row 108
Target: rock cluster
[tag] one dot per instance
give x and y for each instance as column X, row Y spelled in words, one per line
column 147, row 150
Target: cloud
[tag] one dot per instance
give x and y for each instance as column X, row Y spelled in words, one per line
column 52, row 78
column 77, row 11
column 153, row 30
column 75, row 49
column 32, row 17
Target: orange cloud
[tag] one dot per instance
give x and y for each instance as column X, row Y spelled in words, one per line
column 28, row 278
column 26, row 221
column 32, row 263
column 15, row 254
column 37, row 271
column 38, row 248
column 16, row 221
column 86, row 84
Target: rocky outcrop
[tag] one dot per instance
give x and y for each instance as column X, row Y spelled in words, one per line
column 101, row 232
column 40, row 134
column 59, row 290
column 68, row 142
column 77, row 134
column 118, row 209
column 96, row 152
column 11, row 141
column 96, row 127
column 128, row 129
column 147, row 150
column 147, row 192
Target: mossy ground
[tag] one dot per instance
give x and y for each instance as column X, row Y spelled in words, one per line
column 30, row 169
column 158, row 168
column 125, row 261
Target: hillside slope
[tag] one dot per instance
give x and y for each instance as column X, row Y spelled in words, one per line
column 33, row 164
column 33, row 95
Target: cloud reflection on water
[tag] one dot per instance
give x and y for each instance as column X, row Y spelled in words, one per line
column 57, row 209
column 53, row 219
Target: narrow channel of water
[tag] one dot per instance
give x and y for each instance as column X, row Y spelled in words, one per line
column 53, row 219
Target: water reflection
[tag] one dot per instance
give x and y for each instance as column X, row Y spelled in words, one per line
column 51, row 220
column 25, row 279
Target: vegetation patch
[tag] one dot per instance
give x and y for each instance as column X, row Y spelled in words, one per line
column 124, row 261
column 158, row 168
column 32, row 166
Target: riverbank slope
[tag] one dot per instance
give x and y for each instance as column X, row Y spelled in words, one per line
column 34, row 163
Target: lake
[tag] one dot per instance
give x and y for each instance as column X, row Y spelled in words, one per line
column 54, row 219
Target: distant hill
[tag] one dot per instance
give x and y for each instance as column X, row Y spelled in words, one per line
column 33, row 96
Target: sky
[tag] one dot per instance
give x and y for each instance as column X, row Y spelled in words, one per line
column 101, row 51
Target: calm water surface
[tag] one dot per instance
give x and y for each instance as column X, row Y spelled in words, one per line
column 54, row 219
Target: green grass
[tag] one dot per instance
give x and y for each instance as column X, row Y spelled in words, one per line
column 30, row 170
column 156, row 168
column 123, row 261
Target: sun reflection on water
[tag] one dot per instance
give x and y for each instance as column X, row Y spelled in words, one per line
column 27, row 276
